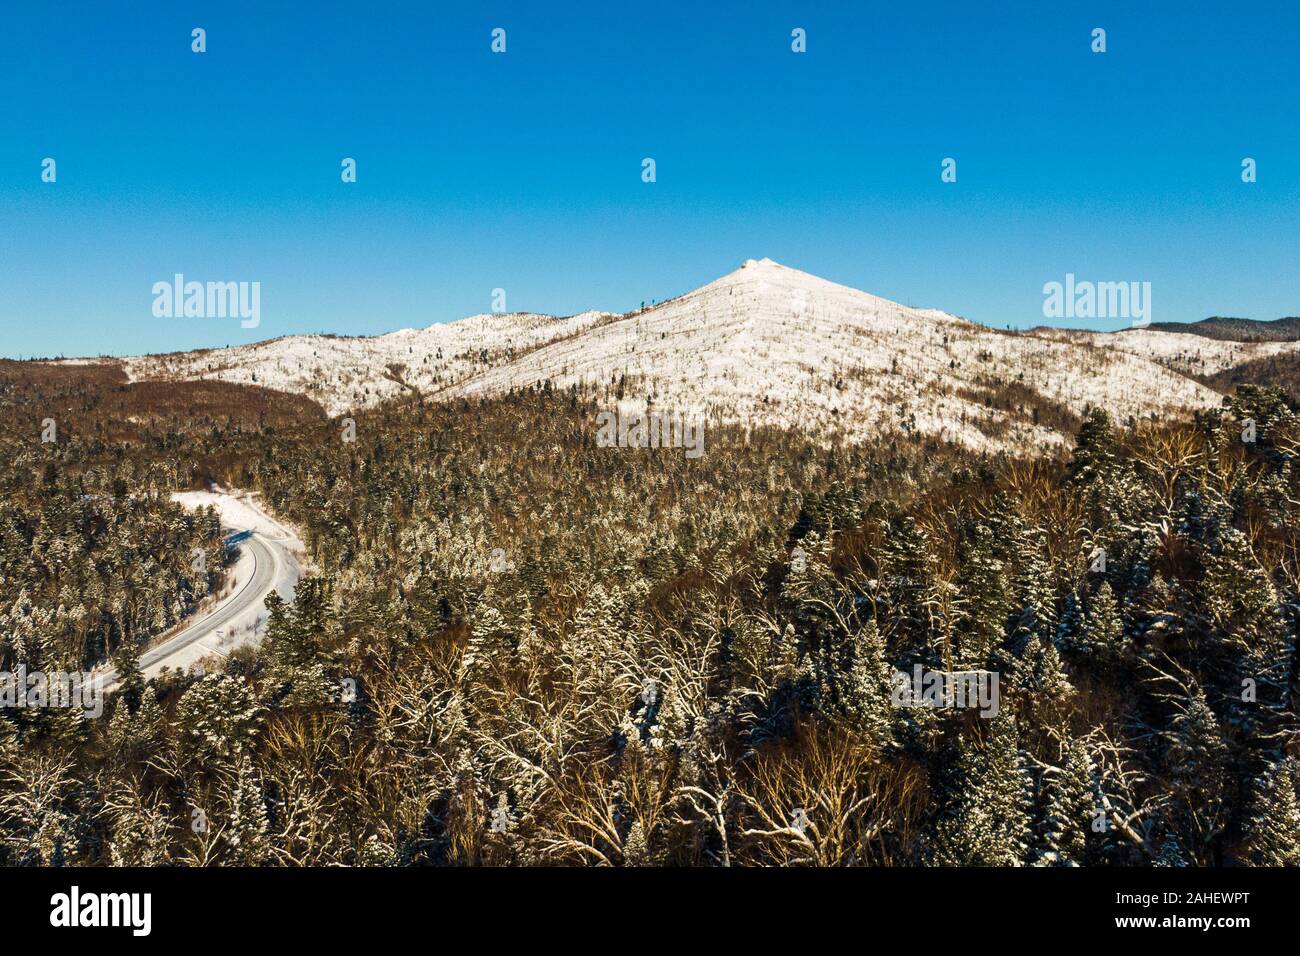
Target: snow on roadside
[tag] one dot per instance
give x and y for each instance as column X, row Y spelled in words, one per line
column 239, row 512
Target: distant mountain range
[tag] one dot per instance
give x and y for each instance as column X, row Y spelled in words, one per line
column 767, row 344
column 1228, row 329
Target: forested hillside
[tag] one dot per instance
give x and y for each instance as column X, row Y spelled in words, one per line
column 1286, row 329
column 522, row 648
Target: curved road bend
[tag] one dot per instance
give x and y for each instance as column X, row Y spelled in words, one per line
column 250, row 594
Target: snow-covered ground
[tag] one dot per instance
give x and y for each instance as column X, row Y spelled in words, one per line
column 1183, row 352
column 763, row 344
column 767, row 343
column 239, row 511
column 342, row 374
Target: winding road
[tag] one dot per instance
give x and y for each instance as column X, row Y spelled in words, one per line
column 266, row 564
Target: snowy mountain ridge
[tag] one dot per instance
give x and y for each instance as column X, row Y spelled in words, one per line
column 765, row 344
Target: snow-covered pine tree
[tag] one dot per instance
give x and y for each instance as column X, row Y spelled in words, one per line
column 1065, row 809
column 1101, row 642
column 989, row 822
column 1273, row 830
column 1197, row 757
column 216, row 718
column 907, row 570
column 491, row 642
column 1171, row 852
column 130, row 680
column 246, row 826
column 986, row 602
column 1248, row 630
column 294, row 637
column 1095, row 450
column 866, row 700
column 1042, row 675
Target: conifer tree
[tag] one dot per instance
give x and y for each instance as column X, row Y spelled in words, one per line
column 1171, row 852
column 1101, row 641
column 140, row 833
column 867, row 700
column 1043, row 675
column 1070, row 624
column 217, row 717
column 989, row 823
column 491, row 642
column 148, row 718
column 636, row 851
column 908, row 569
column 1248, row 629
column 986, row 602
column 1066, row 809
column 294, row 636
column 1197, row 758
column 1273, row 832
column 130, row 679
column 1266, row 406
column 245, row 831
column 1095, row 449
column 1031, row 587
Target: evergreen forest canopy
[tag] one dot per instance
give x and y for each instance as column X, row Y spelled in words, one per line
column 517, row 647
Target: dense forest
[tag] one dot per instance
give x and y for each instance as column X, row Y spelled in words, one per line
column 518, row 647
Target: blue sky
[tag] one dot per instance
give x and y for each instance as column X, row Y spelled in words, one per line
column 522, row 170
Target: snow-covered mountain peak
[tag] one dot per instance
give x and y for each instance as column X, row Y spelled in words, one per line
column 763, row 344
